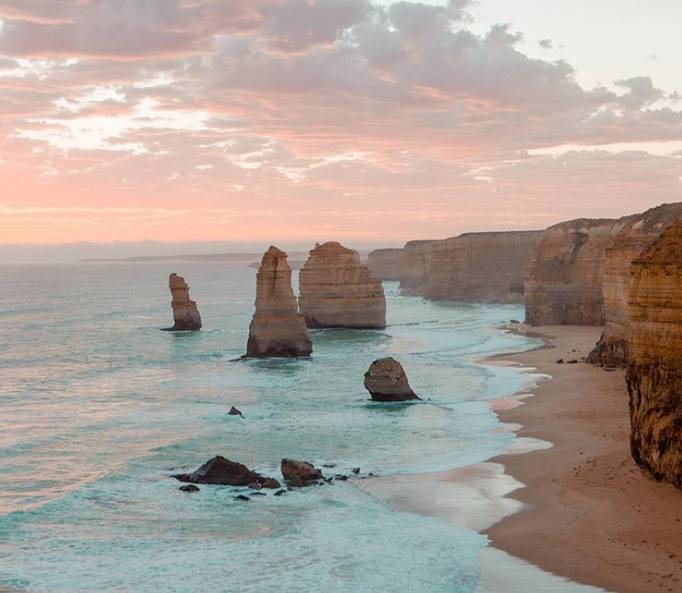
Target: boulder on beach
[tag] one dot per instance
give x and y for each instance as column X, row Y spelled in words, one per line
column 386, row 381
column 277, row 329
column 300, row 473
column 185, row 313
column 220, row 470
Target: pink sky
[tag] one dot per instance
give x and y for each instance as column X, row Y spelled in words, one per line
column 296, row 120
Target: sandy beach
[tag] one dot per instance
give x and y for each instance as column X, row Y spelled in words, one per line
column 588, row 513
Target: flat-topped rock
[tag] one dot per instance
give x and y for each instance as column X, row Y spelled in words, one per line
column 386, row 381
column 654, row 370
column 640, row 231
column 338, row 290
column 385, row 263
column 414, row 265
column 185, row 313
column 277, row 329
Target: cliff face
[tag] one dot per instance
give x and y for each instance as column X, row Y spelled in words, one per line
column 480, row 267
column 654, row 371
column 415, row 261
column 564, row 277
column 277, row 328
column 185, row 313
column 338, row 290
column 385, row 263
column 639, row 232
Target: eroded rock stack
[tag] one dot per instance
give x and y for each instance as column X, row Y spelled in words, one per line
column 481, row 267
column 639, row 232
column 185, row 313
column 338, row 290
column 564, row 277
column 386, row 381
column 385, row 263
column 277, row 328
column 654, row 371
column 415, row 261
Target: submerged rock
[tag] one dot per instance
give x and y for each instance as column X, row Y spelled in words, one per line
column 338, row 290
column 189, row 488
column 185, row 313
column 386, row 381
column 299, row 473
column 654, row 370
column 220, row 470
column 277, row 329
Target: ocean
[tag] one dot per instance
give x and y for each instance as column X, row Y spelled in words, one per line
column 98, row 407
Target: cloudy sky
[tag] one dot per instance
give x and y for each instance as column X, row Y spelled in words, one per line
column 361, row 120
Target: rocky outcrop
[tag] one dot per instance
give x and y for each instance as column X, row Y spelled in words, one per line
column 654, row 370
column 564, row 277
column 220, row 470
column 338, row 290
column 185, row 312
column 480, row 267
column 277, row 328
column 415, row 262
column 299, row 473
column 385, row 263
column 637, row 234
column 386, row 381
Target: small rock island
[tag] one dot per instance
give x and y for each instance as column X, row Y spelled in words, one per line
column 386, row 381
column 185, row 313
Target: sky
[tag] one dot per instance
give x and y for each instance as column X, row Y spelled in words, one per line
column 371, row 122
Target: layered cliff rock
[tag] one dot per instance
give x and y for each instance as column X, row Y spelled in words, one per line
column 277, row 328
column 185, row 313
column 654, row 371
column 385, row 263
column 337, row 290
column 638, row 233
column 480, row 267
column 415, row 262
column 564, row 277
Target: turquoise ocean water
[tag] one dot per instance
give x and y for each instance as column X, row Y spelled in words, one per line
column 98, row 407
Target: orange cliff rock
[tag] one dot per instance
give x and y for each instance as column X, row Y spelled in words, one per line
column 277, row 328
column 185, row 313
column 415, row 261
column 654, row 371
column 640, row 231
column 385, row 263
column 338, row 290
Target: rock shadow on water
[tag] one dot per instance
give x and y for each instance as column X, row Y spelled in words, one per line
column 282, row 365
column 333, row 336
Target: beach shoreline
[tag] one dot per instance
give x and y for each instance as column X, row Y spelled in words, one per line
column 587, row 512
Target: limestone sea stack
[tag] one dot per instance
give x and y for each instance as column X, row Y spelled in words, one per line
column 654, row 370
column 185, row 312
column 338, row 290
column 640, row 231
column 277, row 329
column 386, row 381
column 385, row 263
column 415, row 262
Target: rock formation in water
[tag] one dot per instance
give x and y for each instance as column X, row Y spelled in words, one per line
column 564, row 277
column 385, row 263
column 220, row 470
column 185, row 312
column 654, row 371
column 480, row 267
column 277, row 328
column 300, row 473
column 415, row 261
column 338, row 290
column 639, row 232
column 386, row 381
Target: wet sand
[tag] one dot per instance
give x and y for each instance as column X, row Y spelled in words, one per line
column 588, row 513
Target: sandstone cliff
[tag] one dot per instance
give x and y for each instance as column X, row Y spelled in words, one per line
column 639, row 232
column 654, row 372
column 385, row 263
column 480, row 267
column 338, row 290
column 415, row 261
column 277, row 328
column 185, row 313
column 564, row 277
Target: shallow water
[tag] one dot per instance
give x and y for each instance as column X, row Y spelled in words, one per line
column 98, row 407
